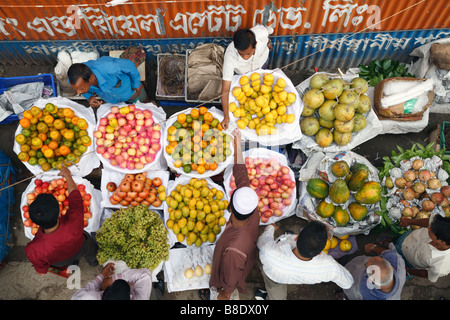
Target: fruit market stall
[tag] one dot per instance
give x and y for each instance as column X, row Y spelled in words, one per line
column 195, row 144
column 135, row 235
column 337, row 115
column 265, row 106
column 342, row 190
column 128, row 138
column 55, row 131
column 273, row 181
column 195, row 211
column 416, row 183
column 120, row 190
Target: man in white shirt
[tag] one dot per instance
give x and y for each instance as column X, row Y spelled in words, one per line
column 426, row 250
column 130, row 284
column 248, row 51
column 298, row 259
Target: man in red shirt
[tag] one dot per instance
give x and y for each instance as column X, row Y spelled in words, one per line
column 235, row 252
column 60, row 240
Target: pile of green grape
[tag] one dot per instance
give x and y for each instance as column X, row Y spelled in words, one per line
column 135, row 235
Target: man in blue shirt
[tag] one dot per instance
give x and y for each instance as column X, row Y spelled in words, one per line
column 112, row 80
column 380, row 277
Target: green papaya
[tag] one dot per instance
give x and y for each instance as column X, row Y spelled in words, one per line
column 325, row 209
column 317, row 188
column 358, row 178
column 341, row 216
column 357, row 211
column 370, row 193
column 356, row 166
column 340, row 168
column 339, row 192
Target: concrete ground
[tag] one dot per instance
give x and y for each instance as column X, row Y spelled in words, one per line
column 18, row 281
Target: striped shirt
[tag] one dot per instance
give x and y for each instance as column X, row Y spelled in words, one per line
column 282, row 266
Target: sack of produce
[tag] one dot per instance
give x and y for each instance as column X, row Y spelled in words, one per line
column 342, row 190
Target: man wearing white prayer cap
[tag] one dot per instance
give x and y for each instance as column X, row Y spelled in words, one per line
column 235, row 251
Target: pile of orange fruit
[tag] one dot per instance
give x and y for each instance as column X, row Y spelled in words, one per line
column 52, row 136
column 196, row 142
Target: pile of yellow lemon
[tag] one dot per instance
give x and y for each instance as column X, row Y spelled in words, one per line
column 344, row 244
column 262, row 103
column 196, row 212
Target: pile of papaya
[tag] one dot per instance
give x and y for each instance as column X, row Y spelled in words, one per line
column 350, row 194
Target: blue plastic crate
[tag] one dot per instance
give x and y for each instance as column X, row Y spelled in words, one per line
column 6, row 83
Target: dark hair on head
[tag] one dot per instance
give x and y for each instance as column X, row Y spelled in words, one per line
column 244, row 39
column 44, row 210
column 119, row 290
column 440, row 226
column 312, row 239
column 77, row 71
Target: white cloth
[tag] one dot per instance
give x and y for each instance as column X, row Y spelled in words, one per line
column 281, row 265
column 417, row 250
column 140, row 290
column 233, row 62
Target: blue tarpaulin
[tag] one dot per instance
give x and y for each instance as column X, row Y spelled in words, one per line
column 7, row 178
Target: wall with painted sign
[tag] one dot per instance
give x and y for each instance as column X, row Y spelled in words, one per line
column 307, row 33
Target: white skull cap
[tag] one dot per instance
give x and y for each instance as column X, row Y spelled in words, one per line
column 245, row 200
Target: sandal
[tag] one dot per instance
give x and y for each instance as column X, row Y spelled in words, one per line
column 204, row 294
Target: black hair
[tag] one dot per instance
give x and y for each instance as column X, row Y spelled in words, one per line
column 119, row 290
column 243, row 39
column 440, row 226
column 236, row 213
column 312, row 239
column 77, row 71
column 44, row 210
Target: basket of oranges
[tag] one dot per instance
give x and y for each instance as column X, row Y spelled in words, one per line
column 53, row 132
column 195, row 144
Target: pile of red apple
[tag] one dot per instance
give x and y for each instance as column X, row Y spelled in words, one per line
column 272, row 182
column 58, row 188
column 135, row 189
column 128, row 137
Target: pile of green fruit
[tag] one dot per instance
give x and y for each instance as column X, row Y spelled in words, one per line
column 135, row 235
column 349, row 181
column 334, row 109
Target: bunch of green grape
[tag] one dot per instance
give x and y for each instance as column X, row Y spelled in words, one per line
column 135, row 235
